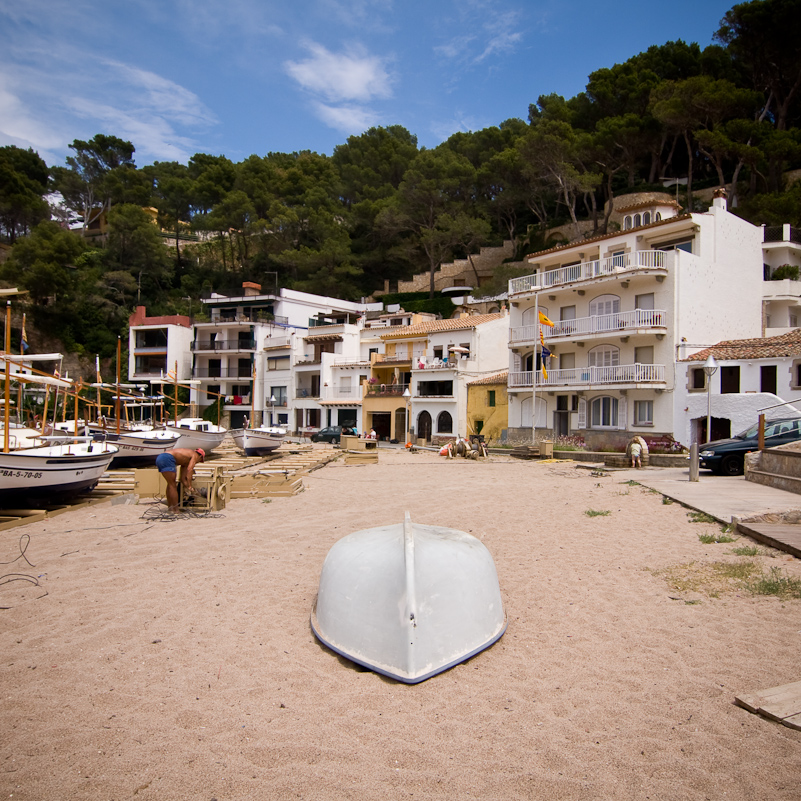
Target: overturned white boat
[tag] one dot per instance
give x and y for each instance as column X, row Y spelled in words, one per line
column 258, row 441
column 53, row 472
column 408, row 601
column 138, row 448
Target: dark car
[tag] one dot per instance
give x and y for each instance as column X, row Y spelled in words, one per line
column 726, row 456
column 329, row 434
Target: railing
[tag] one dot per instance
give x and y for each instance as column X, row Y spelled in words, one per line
column 782, row 233
column 307, row 393
column 437, row 365
column 576, row 376
column 600, row 323
column 395, row 359
column 640, row 259
column 340, row 392
column 386, row 389
column 225, row 344
column 277, row 342
column 222, row 372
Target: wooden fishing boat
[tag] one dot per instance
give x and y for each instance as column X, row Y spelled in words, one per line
column 52, row 473
column 194, row 432
column 258, row 441
column 408, row 601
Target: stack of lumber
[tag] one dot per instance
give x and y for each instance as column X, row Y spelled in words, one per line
column 782, row 704
column 361, row 457
column 526, row 452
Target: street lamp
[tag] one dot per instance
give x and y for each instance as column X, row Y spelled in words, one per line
column 406, row 396
column 710, row 368
column 272, row 404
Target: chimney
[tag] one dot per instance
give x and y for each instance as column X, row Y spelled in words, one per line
column 249, row 289
column 719, row 198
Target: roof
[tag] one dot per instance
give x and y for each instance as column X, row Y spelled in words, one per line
column 437, row 326
column 788, row 344
column 323, row 338
column 495, row 378
column 644, row 204
column 613, row 234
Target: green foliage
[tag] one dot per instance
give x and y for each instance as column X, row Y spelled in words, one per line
column 785, row 271
column 597, row 513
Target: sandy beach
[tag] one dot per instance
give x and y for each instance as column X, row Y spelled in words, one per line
column 174, row 660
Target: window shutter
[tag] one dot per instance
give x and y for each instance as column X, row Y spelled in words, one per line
column 622, row 413
column 582, row 413
column 518, row 363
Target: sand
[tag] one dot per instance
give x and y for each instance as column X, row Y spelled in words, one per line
column 175, row 660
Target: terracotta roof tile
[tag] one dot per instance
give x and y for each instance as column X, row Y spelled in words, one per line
column 496, row 378
column 436, row 326
column 788, row 344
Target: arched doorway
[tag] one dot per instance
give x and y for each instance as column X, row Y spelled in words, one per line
column 444, row 423
column 424, row 426
column 400, row 425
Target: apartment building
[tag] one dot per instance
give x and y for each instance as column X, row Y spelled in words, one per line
column 159, row 345
column 625, row 307
column 423, row 373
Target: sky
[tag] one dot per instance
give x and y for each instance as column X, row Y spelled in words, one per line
column 242, row 77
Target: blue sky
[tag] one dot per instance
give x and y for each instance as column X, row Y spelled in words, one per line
column 236, row 77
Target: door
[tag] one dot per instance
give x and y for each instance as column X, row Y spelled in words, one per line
column 424, row 426
column 767, row 378
column 729, row 379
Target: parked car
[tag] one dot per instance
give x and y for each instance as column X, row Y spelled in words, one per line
column 727, row 456
column 329, row 434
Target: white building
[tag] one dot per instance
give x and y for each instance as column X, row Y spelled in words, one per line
column 625, row 307
column 158, row 345
column 751, row 376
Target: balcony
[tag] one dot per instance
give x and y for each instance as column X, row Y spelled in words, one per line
column 621, row 374
column 345, row 393
column 222, row 372
column 307, row 393
column 216, row 345
column 587, row 326
column 385, row 390
column 588, row 270
column 782, row 233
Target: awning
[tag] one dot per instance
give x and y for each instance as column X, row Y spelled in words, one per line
column 323, row 338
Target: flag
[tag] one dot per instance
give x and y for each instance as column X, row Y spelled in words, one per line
column 545, row 352
column 542, row 339
column 545, row 321
column 544, row 372
column 24, row 342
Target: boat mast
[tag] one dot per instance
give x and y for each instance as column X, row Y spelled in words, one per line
column 175, row 387
column 8, row 382
column 117, row 401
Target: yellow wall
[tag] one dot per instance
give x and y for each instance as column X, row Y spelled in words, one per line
column 495, row 418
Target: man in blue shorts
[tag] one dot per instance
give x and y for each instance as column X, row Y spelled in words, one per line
column 168, row 463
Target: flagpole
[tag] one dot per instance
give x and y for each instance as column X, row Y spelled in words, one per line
column 534, row 371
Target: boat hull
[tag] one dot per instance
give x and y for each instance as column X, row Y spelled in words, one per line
column 198, row 435
column 52, row 473
column 408, row 601
column 258, row 441
column 139, row 449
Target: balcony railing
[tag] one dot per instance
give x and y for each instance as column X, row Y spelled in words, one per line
column 388, row 390
column 598, row 324
column 346, row 393
column 614, row 265
column 224, row 344
column 782, row 233
column 578, row 376
column 222, row 372
column 307, row 393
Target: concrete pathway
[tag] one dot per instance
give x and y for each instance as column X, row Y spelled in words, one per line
column 722, row 497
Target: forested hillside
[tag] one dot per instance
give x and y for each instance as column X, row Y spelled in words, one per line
column 380, row 207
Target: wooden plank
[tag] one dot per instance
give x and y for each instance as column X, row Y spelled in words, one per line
column 794, row 722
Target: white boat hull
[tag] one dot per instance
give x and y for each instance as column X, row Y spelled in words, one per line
column 196, row 433
column 408, row 601
column 258, row 441
column 139, row 448
column 53, row 472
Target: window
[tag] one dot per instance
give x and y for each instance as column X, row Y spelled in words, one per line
column 567, row 361
column 698, row 378
column 603, row 412
column 644, row 301
column 643, row 413
column 644, row 355
column 212, row 391
column 627, row 222
column 479, row 425
column 637, row 220
column 604, row 356
column 491, row 398
column 279, row 393
column 278, row 363
column 371, row 351
column 646, row 218
column 438, row 352
column 444, row 423
column 729, row 379
column 658, row 216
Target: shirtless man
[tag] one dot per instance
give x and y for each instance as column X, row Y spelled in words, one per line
column 167, row 464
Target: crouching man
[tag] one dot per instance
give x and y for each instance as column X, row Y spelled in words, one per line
column 168, row 463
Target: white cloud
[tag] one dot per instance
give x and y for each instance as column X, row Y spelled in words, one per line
column 348, row 119
column 350, row 76
column 503, row 35
column 488, row 32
